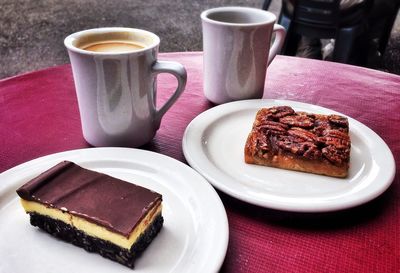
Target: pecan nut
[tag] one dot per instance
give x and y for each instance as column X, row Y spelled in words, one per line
column 280, row 111
column 335, row 138
column 339, row 121
column 303, row 134
column 313, row 152
column 336, row 134
column 272, row 126
column 263, row 143
column 336, row 156
column 303, row 121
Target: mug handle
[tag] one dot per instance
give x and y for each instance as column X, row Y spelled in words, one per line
column 278, row 42
column 177, row 70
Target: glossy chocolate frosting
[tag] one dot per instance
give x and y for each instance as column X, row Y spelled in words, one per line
column 99, row 198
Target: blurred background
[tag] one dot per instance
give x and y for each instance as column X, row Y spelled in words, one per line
column 32, row 31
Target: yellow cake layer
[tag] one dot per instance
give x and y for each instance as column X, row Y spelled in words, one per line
column 90, row 228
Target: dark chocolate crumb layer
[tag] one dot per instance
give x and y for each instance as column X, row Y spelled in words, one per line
column 106, row 249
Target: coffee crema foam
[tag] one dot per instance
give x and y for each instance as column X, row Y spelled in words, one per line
column 112, row 46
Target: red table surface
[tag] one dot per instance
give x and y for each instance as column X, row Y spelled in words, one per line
column 39, row 116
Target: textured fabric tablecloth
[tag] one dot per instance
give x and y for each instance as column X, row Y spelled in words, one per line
column 39, row 116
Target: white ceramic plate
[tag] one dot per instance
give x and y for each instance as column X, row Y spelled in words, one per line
column 213, row 144
column 194, row 237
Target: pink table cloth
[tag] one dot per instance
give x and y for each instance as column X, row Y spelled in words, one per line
column 39, row 116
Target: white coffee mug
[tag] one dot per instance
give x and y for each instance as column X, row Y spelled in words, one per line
column 237, row 51
column 116, row 88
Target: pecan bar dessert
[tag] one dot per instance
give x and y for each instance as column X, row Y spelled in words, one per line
column 299, row 141
column 94, row 211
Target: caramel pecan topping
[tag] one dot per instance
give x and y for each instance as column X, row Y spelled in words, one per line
column 262, row 142
column 336, row 134
column 336, row 156
column 335, row 138
column 298, row 147
column 280, row 111
column 302, row 133
column 338, row 121
column 312, row 136
column 253, row 145
column 313, row 153
column 298, row 121
column 335, row 142
column 320, row 125
column 290, row 144
column 273, row 126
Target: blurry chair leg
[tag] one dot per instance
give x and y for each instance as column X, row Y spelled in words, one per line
column 292, row 39
column 291, row 44
column 387, row 30
column 364, row 49
column 266, row 4
column 344, row 44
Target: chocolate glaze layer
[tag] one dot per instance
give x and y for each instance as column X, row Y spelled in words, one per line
column 99, row 198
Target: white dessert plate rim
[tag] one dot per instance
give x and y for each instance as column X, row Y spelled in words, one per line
column 195, row 221
column 213, row 144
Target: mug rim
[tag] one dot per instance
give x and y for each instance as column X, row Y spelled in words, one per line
column 205, row 16
column 70, row 39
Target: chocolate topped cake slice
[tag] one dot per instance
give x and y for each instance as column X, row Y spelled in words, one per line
column 97, row 212
column 299, row 141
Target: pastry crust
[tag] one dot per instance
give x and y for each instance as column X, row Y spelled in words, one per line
column 299, row 141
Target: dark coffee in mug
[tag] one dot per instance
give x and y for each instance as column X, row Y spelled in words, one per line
column 113, row 46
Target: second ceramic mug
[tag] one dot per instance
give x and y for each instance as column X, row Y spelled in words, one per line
column 117, row 90
column 237, row 51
